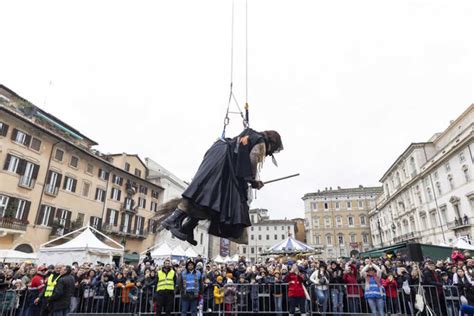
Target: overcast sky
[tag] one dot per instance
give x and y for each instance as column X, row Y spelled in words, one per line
column 348, row 84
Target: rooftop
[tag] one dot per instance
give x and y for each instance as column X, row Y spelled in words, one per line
column 344, row 191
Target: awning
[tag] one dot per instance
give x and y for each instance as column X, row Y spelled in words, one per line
column 375, row 253
column 131, row 257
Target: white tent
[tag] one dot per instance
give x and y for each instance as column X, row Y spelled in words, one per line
column 85, row 247
column 463, row 244
column 15, row 256
column 178, row 252
column 161, row 251
column 219, row 259
column 190, row 253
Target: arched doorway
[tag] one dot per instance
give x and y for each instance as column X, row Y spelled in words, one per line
column 354, row 253
column 24, row 248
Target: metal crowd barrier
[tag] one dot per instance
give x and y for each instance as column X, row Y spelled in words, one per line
column 245, row 299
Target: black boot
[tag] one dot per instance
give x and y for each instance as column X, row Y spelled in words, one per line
column 174, row 220
column 186, row 231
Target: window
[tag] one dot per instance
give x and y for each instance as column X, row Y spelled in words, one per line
column 353, row 238
column 467, row 175
column 29, row 173
column 90, row 168
column 156, row 195
column 433, row 219
column 63, row 217
column 126, row 223
column 438, row 187
column 95, row 222
column 3, row 204
column 337, row 205
column 316, row 222
column 268, row 237
column 362, row 220
column 314, row 206
column 252, row 237
column 104, row 175
column 338, row 221
column 349, row 204
column 282, row 236
column 259, row 228
column 328, row 240
column 128, row 205
column 251, row 228
column 436, row 175
column 138, row 172
column 444, row 216
column 430, row 195
column 317, row 240
column 143, row 189
column 21, row 137
column 80, row 219
column 139, row 225
column 3, row 129
column 12, row 163
column 115, row 194
column 268, row 228
column 326, row 205
column 259, row 249
column 350, row 221
column 35, row 144
column 259, row 237
column 69, row 184
column 53, row 182
column 252, row 250
column 447, row 167
column 117, row 180
column 74, row 161
column 327, row 222
column 365, row 239
column 86, row 186
column 59, row 155
column 451, row 181
column 360, row 204
column 153, row 206
column 127, row 167
column 423, row 222
column 46, row 216
column 462, row 158
column 100, row 195
column 142, row 202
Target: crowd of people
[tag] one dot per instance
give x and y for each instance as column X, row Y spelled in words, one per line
column 387, row 285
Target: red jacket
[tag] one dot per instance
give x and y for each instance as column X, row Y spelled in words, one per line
column 390, row 287
column 295, row 285
column 356, row 289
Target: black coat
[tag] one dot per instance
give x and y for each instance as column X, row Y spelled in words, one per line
column 221, row 183
column 62, row 293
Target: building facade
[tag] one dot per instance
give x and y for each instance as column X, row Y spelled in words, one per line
column 428, row 192
column 52, row 182
column 264, row 233
column 337, row 221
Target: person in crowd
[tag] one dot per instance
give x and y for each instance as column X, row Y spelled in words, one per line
column 230, row 292
column 320, row 278
column 391, row 290
column 374, row 290
column 433, row 287
column 296, row 291
column 354, row 291
column 35, row 287
column 219, row 295
column 60, row 300
column 165, row 288
column 190, row 287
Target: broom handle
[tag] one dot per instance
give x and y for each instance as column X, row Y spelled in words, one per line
column 283, row 178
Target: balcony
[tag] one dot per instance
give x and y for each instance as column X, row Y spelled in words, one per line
column 51, row 190
column 26, row 182
column 406, row 237
column 111, row 229
column 12, row 225
column 129, row 207
column 459, row 223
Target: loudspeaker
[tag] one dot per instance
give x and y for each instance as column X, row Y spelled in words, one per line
column 414, row 252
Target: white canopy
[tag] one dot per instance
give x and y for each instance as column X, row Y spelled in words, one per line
column 178, row 252
column 15, row 256
column 219, row 259
column 463, row 244
column 85, row 247
column 161, row 251
column 190, row 253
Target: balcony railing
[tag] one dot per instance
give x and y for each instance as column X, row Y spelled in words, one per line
column 129, row 207
column 51, row 190
column 26, row 182
column 406, row 237
column 111, row 229
column 459, row 223
column 13, row 224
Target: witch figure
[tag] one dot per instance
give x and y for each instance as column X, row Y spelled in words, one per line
column 219, row 192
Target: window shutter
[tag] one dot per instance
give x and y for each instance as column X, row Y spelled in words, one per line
column 116, row 218
column 91, row 221
column 4, row 130
column 35, row 172
column 100, row 172
column 103, row 196
column 14, row 133
column 122, row 221
column 119, row 195
column 142, row 225
column 58, row 213
column 144, row 203
column 99, row 224
column 27, row 140
column 121, row 181
column 65, row 183
column 74, row 184
column 96, row 193
column 40, row 215
column 58, row 181
column 21, row 167
column 107, row 216
column 112, row 193
column 129, row 224
column 51, row 217
column 107, row 176
column 48, row 178
column 135, row 224
column 26, row 212
column 7, row 162
column 113, row 178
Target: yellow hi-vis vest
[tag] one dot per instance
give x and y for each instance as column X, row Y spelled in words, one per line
column 165, row 281
column 50, row 285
